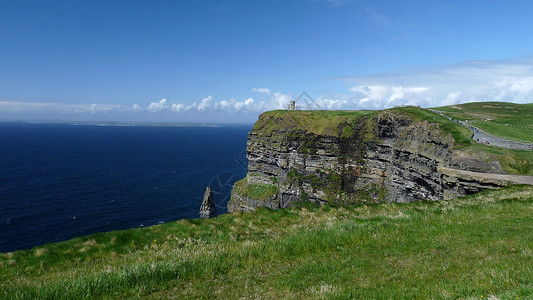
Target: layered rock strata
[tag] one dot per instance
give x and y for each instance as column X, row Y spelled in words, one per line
column 358, row 157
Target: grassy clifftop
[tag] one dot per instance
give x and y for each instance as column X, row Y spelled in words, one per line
column 338, row 123
column 505, row 120
column 319, row 122
column 470, row 247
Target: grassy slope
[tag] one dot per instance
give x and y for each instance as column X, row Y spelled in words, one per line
column 507, row 120
column 319, row 122
column 518, row 162
column 475, row 246
column 466, row 248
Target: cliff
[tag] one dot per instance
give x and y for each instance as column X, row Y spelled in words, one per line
column 345, row 157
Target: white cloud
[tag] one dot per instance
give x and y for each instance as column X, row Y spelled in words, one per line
column 16, row 106
column 372, row 92
column 519, row 88
column 224, row 104
column 505, row 80
column 177, row 107
column 233, row 105
column 239, row 106
column 157, row 106
column 280, row 101
column 261, row 90
column 93, row 108
column 246, row 104
column 452, row 98
column 165, row 105
column 189, row 107
column 205, row 102
column 380, row 96
column 331, row 102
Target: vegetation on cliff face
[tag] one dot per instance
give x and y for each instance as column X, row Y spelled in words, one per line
column 506, row 120
column 343, row 123
column 347, row 157
column 461, row 134
column 471, row 247
column 259, row 191
column 354, row 124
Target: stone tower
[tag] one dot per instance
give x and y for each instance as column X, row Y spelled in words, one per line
column 292, row 105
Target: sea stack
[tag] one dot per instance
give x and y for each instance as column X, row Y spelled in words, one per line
column 208, row 208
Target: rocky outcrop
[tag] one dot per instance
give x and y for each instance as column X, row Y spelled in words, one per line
column 354, row 157
column 208, row 208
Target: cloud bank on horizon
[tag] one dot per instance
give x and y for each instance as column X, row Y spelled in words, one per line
column 472, row 81
column 223, row 61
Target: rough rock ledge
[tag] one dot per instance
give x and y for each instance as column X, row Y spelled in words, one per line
column 356, row 157
column 208, row 208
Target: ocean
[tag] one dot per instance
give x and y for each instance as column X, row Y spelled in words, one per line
column 59, row 181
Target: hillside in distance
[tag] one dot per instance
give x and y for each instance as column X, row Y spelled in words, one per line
column 502, row 119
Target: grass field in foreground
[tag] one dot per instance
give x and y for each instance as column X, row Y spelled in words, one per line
column 475, row 247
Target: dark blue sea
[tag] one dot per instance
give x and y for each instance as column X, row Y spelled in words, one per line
column 59, row 181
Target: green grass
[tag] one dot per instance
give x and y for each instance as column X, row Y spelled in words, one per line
column 260, row 191
column 517, row 162
column 480, row 245
column 342, row 124
column 505, row 129
column 506, row 120
column 461, row 134
column 502, row 119
column 318, row 122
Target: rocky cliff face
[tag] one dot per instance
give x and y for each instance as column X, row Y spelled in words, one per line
column 354, row 157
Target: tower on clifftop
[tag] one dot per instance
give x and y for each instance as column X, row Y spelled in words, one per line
column 291, row 105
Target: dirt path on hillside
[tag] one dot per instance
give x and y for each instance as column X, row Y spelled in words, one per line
column 517, row 179
column 483, row 137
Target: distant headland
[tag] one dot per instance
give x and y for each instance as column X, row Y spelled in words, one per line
column 119, row 124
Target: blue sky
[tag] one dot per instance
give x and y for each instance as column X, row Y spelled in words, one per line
column 227, row 61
